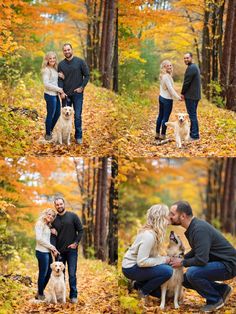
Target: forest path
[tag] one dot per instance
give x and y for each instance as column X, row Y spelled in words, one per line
column 25, row 136
column 217, row 131
column 97, row 291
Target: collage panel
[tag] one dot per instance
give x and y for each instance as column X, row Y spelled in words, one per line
column 57, row 211
column 177, row 72
column 58, row 78
column 177, row 235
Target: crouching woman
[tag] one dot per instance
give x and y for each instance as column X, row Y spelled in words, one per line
column 142, row 262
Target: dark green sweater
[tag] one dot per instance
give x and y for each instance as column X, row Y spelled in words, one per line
column 69, row 229
column 208, row 245
column 192, row 83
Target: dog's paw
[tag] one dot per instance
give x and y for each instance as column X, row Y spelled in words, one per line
column 176, row 306
column 162, row 307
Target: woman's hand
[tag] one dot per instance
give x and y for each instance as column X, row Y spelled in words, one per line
column 54, row 251
column 168, row 259
column 61, row 75
column 54, row 231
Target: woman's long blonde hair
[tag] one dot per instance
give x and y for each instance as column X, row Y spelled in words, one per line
column 163, row 69
column 46, row 58
column 157, row 221
column 43, row 215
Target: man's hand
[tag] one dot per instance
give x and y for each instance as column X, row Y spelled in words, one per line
column 176, row 262
column 72, row 246
column 79, row 90
column 182, row 97
column 54, row 231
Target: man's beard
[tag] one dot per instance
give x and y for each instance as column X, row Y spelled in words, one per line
column 61, row 209
column 68, row 55
column 175, row 223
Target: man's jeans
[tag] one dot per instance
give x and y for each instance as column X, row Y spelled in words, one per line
column 165, row 108
column 201, row 279
column 191, row 106
column 53, row 112
column 149, row 279
column 77, row 101
column 71, row 258
column 44, row 261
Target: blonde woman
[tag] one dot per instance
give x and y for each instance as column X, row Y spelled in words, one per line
column 167, row 94
column 44, row 249
column 51, row 91
column 142, row 262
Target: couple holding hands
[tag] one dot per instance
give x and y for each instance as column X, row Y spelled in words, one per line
column 191, row 94
column 211, row 258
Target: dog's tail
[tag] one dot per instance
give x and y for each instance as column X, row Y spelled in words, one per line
column 170, row 124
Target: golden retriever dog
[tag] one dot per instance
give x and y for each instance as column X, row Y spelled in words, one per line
column 56, row 285
column 181, row 128
column 63, row 127
column 173, row 287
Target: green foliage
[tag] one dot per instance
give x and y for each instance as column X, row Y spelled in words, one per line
column 135, row 75
column 130, row 305
column 10, row 69
column 216, row 94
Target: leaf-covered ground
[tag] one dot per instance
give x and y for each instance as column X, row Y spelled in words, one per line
column 97, row 292
column 22, row 135
column 217, row 130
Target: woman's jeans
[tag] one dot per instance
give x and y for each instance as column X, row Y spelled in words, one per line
column 165, row 108
column 149, row 279
column 53, row 112
column 44, row 261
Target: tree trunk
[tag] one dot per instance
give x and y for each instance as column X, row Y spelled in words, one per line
column 113, row 215
column 227, row 46
column 206, row 55
column 231, row 88
column 115, row 59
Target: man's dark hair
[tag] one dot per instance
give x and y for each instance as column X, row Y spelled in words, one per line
column 67, row 44
column 59, row 198
column 184, row 207
column 189, row 53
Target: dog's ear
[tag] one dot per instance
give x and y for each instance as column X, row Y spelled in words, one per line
column 62, row 266
column 52, row 265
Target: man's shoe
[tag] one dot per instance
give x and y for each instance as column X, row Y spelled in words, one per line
column 79, row 141
column 213, row 307
column 40, row 297
column 157, row 136
column 227, row 294
column 193, row 139
column 74, row 300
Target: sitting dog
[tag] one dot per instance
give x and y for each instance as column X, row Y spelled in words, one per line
column 173, row 287
column 56, row 285
column 63, row 127
column 181, row 128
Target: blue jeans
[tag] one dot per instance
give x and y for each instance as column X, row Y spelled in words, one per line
column 165, row 108
column 70, row 257
column 44, row 261
column 53, row 112
column 202, row 279
column 77, row 101
column 149, row 279
column 191, row 106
